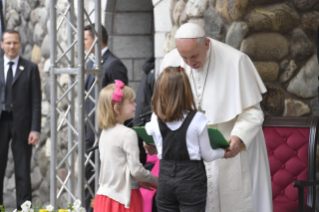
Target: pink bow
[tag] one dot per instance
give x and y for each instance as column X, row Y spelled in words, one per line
column 118, row 93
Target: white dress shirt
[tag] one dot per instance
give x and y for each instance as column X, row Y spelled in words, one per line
column 6, row 66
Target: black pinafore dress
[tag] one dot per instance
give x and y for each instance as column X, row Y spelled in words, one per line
column 182, row 182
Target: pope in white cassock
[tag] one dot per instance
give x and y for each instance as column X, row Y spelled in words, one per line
column 227, row 88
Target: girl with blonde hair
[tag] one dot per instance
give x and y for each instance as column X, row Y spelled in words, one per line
column 119, row 153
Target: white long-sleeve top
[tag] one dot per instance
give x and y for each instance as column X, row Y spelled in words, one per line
column 119, row 154
column 197, row 140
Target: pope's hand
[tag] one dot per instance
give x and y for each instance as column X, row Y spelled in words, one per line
column 149, row 149
column 234, row 148
column 33, row 138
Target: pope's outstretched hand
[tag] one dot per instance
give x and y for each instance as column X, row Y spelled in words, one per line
column 234, row 148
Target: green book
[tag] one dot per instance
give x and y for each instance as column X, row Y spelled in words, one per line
column 143, row 134
column 217, row 140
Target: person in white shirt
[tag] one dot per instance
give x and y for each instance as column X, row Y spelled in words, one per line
column 181, row 138
column 227, row 88
column 119, row 153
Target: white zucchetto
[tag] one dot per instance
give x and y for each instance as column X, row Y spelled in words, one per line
column 190, row 30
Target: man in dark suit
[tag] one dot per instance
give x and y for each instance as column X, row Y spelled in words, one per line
column 20, row 113
column 112, row 68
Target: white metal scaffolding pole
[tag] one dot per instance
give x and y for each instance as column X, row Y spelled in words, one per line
column 75, row 95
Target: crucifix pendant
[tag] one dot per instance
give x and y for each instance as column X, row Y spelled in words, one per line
column 200, row 109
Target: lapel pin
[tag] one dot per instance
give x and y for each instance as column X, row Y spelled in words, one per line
column 21, row 68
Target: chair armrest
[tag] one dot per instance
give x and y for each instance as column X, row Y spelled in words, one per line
column 301, row 186
column 301, row 183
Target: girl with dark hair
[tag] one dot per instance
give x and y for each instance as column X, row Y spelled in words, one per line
column 181, row 138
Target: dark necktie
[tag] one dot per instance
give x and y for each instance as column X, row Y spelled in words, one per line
column 8, row 93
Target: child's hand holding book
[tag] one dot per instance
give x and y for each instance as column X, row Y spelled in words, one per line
column 149, row 186
column 149, row 149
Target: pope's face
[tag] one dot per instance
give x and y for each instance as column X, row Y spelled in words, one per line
column 193, row 52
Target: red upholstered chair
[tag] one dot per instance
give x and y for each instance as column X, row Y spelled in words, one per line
column 291, row 145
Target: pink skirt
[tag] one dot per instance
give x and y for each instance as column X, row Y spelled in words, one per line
column 105, row 204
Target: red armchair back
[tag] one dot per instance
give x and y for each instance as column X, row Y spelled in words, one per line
column 289, row 154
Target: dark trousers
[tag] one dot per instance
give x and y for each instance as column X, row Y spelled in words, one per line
column 22, row 153
column 182, row 186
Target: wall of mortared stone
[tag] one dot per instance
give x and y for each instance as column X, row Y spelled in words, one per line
column 279, row 37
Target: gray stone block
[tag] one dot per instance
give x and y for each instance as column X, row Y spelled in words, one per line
column 133, row 46
column 45, row 47
column 25, row 10
column 305, row 83
column 110, row 43
column 43, row 191
column 23, row 33
column 213, row 24
column 30, row 33
column 138, row 71
column 133, row 23
column 11, row 183
column 63, row 200
column 38, row 35
column 236, row 34
column 108, row 22
column 43, row 16
column 33, row 3
column 10, row 168
column 129, row 65
column 9, row 200
column 134, row 5
column 110, row 5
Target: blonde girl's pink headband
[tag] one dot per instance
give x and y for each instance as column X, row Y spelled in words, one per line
column 118, row 93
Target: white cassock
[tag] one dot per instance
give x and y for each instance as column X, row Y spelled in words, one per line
column 230, row 99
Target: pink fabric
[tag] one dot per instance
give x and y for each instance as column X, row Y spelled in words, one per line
column 118, row 93
column 151, row 158
column 147, row 194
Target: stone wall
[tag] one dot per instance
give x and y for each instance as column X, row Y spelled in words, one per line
column 279, row 37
